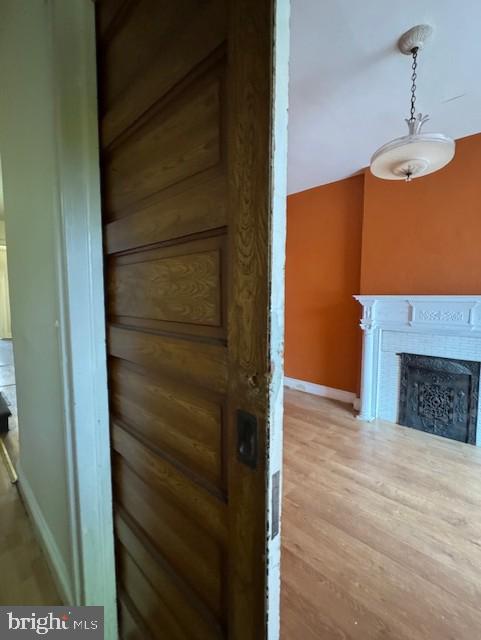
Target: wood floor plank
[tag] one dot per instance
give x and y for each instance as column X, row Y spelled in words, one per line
column 24, row 574
column 381, row 529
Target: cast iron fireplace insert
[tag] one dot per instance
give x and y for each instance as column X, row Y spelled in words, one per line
column 439, row 396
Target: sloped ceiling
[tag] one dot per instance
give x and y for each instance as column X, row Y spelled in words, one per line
column 349, row 85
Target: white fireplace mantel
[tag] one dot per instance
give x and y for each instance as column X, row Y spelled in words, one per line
column 443, row 326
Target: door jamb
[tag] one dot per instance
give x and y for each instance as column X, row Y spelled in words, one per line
column 81, row 296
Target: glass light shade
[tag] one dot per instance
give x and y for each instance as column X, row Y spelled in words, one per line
column 414, row 155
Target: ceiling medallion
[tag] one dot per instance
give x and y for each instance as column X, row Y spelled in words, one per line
column 416, row 154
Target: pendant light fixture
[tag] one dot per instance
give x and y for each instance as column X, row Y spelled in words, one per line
column 416, row 154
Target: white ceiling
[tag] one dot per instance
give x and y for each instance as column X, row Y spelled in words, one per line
column 349, row 85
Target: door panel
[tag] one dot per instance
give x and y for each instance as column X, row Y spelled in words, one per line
column 179, row 211
column 199, row 623
column 186, row 124
column 182, row 423
column 184, row 51
column 187, row 549
column 155, row 156
column 180, row 283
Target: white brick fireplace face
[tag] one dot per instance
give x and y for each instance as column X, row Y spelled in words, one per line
column 442, row 326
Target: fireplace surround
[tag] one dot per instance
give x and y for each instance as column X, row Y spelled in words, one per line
column 447, row 327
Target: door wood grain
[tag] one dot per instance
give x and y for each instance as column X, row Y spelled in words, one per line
column 186, row 130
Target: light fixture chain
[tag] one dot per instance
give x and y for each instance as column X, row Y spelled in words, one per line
column 413, row 84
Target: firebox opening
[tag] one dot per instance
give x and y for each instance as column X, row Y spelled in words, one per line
column 439, row 396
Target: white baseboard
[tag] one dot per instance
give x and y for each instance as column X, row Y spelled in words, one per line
column 320, row 390
column 46, row 540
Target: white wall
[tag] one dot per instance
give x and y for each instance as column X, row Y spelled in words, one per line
column 27, row 149
column 49, row 151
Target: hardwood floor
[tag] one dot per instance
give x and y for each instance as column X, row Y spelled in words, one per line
column 381, row 532
column 381, row 529
column 24, row 575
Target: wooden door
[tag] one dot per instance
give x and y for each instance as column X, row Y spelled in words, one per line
column 187, row 93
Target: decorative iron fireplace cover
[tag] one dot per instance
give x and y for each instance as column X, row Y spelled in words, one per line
column 440, row 396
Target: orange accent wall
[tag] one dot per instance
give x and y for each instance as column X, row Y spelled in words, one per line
column 425, row 237
column 418, row 238
column 323, row 340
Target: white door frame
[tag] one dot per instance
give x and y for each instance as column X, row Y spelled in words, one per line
column 80, row 246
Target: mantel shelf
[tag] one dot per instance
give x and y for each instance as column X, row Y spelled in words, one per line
column 459, row 314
